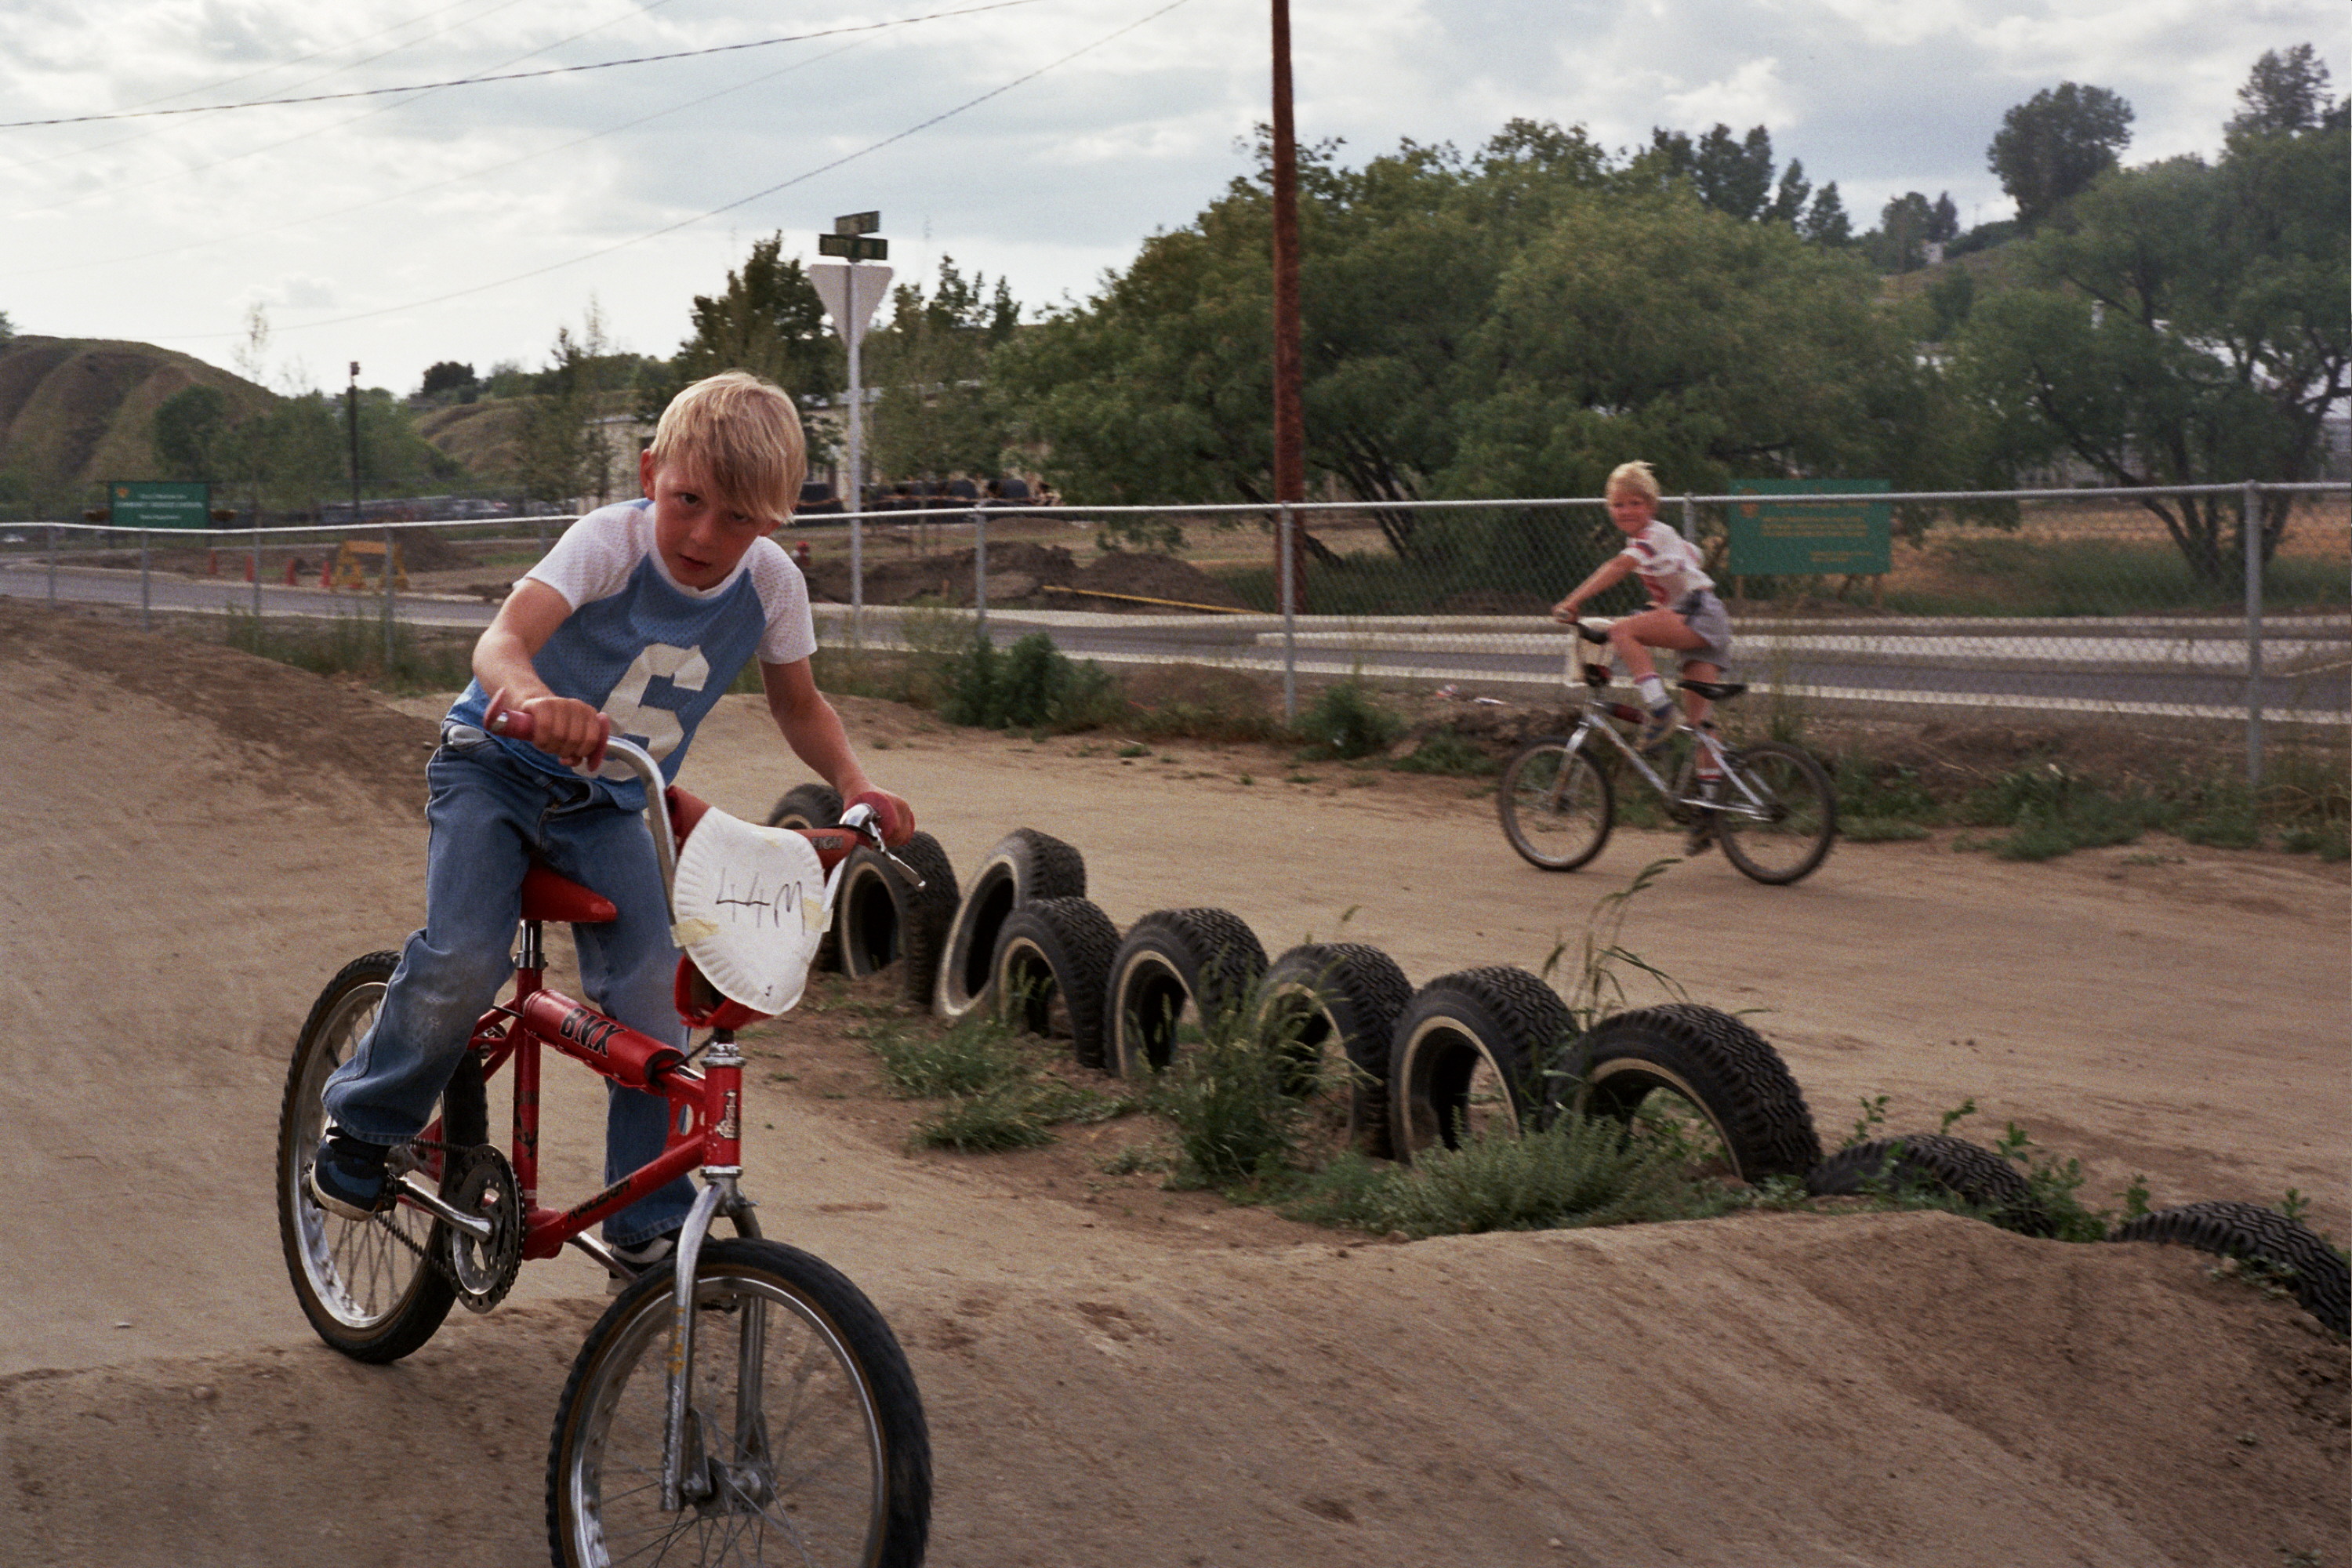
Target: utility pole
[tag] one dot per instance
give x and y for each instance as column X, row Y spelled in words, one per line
column 1289, row 417
column 352, row 414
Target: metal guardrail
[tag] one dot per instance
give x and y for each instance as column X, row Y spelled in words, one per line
column 2109, row 654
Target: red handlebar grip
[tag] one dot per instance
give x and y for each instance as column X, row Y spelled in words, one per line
column 501, row 720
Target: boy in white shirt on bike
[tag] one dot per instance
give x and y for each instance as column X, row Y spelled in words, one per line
column 643, row 612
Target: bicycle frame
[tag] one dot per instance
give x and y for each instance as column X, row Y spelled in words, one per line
column 1594, row 720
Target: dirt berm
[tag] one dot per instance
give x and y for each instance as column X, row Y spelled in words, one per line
column 1120, row 1376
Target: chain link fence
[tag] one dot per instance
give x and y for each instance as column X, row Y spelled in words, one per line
column 2065, row 605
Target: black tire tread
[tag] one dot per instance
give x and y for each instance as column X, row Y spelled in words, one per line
column 1749, row 1093
column 1373, row 989
column 1969, row 1172
column 1231, row 957
column 1505, row 816
column 1535, row 1026
column 1727, row 834
column 807, row 806
column 1033, row 866
column 1079, row 942
column 861, row 1326
column 465, row 1120
column 2229, row 1228
column 930, row 913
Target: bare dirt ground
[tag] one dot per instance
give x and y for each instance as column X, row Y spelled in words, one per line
column 1115, row 1373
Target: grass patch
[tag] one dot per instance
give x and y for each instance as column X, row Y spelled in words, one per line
column 1450, row 753
column 1349, row 720
column 999, row 1095
column 352, row 645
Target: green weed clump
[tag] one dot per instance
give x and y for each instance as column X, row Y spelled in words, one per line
column 1237, row 1099
column 352, row 645
column 1450, row 753
column 1578, row 1172
column 1031, row 685
column 1348, row 721
column 998, row 1095
column 2049, row 811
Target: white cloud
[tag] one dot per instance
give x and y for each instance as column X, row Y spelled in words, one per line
column 1045, row 183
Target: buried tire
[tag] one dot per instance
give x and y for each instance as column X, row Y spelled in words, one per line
column 2323, row 1283
column 1716, row 1064
column 1340, row 1000
column 1025, row 867
column 879, row 918
column 1470, row 1055
column 1968, row 1171
column 1052, row 969
column 1175, row 965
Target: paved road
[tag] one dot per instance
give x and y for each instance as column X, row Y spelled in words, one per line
column 2187, row 668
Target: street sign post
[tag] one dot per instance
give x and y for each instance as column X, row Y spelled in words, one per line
column 159, row 503
column 1844, row 538
column 851, row 291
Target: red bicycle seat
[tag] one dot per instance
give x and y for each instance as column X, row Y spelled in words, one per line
column 548, row 897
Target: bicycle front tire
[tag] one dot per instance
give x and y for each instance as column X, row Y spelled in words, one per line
column 1556, row 806
column 823, row 1460
column 1785, row 837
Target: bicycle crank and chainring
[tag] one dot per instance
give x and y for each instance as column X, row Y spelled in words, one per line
column 481, row 1269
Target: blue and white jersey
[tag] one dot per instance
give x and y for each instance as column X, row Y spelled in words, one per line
column 649, row 651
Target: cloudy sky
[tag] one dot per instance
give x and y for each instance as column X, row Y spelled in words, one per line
column 1037, row 140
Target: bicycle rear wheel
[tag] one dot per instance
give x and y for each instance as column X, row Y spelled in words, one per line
column 368, row 1293
column 1785, row 830
column 1555, row 805
column 806, row 1442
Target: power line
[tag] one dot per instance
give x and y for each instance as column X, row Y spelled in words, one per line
column 741, row 201
column 516, row 76
column 244, row 236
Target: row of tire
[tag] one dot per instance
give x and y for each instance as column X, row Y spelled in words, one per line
column 1469, row 1050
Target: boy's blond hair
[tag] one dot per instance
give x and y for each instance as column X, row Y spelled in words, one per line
column 738, row 435
column 1634, row 477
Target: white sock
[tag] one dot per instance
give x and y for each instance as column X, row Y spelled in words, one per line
column 1652, row 690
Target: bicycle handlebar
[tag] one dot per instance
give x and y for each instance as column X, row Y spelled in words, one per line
column 501, row 720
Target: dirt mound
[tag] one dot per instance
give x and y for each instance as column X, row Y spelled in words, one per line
column 1178, row 584
column 1114, row 1372
column 79, row 411
column 298, row 727
column 1018, row 574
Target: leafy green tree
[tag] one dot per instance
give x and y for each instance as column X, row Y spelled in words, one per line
column 935, row 417
column 565, row 450
column 191, row 433
column 2187, row 324
column 2284, row 94
column 2051, row 147
column 767, row 321
column 1825, row 221
column 448, row 376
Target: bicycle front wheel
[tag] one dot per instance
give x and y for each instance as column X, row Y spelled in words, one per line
column 1555, row 806
column 805, row 1442
column 1779, row 814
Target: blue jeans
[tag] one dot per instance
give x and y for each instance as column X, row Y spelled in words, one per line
column 489, row 816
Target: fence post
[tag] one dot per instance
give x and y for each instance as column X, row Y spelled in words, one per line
column 1286, row 564
column 146, row 616
column 2251, row 526
column 53, row 565
column 1690, row 521
column 858, row 575
column 388, row 573
column 980, row 568
column 256, row 570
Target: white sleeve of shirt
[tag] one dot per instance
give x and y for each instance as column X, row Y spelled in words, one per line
column 594, row 557
column 783, row 597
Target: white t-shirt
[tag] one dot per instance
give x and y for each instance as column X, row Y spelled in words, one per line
column 1667, row 563
column 595, row 558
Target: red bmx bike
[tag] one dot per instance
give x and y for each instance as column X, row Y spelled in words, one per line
column 745, row 1404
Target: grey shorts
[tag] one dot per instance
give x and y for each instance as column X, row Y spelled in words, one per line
column 1702, row 612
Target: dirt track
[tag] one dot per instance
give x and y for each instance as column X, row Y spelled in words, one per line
column 201, row 840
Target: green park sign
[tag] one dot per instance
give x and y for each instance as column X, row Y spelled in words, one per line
column 1803, row 539
column 159, row 503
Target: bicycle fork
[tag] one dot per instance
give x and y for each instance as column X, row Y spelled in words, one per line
column 722, row 1169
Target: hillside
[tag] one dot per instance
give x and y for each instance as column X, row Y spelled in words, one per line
column 77, row 412
column 484, row 436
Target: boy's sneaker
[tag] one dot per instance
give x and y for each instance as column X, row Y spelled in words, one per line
column 349, row 1178
column 1702, row 831
column 646, row 1257
column 1657, row 729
